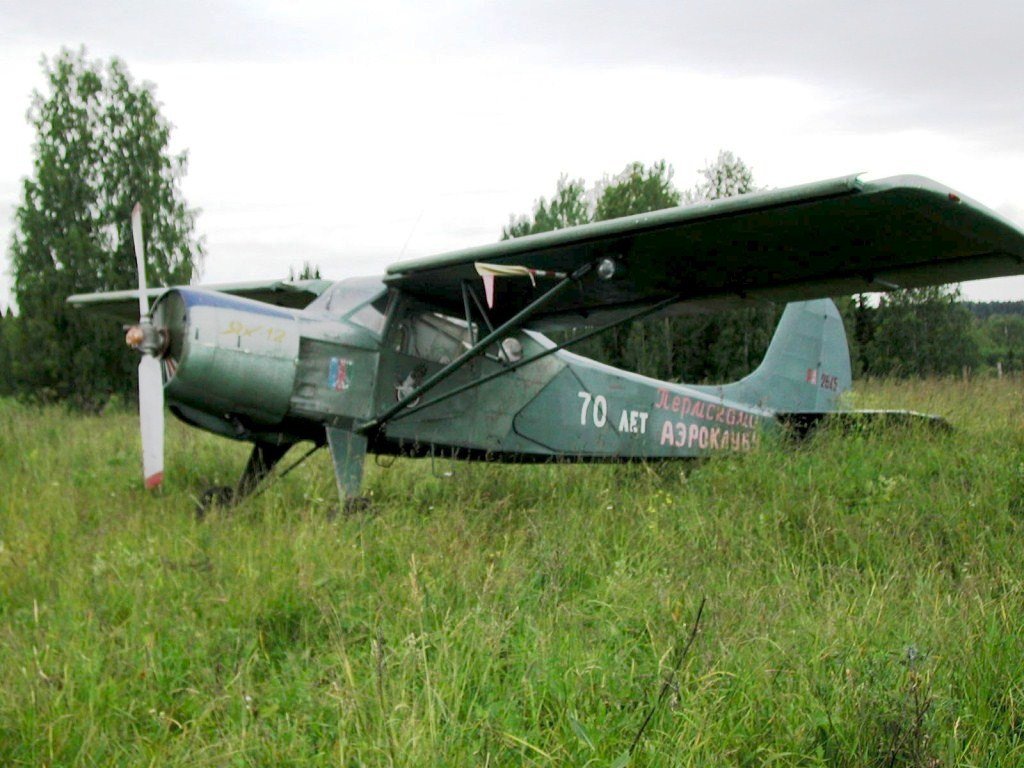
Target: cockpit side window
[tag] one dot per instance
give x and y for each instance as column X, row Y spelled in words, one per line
column 372, row 316
column 419, row 332
column 437, row 337
column 362, row 300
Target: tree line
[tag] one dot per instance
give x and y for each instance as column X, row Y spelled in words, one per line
column 102, row 144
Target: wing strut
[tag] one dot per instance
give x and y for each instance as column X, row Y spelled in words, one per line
column 467, row 294
column 514, row 323
column 480, row 307
column 469, row 312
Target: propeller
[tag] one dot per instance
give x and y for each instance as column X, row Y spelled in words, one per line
column 150, row 342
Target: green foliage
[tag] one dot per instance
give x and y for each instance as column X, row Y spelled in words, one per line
column 637, row 190
column 861, row 320
column 985, row 309
column 101, row 146
column 921, row 332
column 1002, row 341
column 8, row 329
column 864, row 594
column 567, row 208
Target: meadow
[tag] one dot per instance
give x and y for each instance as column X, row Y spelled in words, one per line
column 864, row 603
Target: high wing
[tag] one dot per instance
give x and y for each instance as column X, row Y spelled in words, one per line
column 829, row 238
column 124, row 305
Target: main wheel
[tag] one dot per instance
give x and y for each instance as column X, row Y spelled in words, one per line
column 214, row 496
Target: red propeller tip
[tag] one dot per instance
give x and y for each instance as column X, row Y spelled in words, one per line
column 154, row 480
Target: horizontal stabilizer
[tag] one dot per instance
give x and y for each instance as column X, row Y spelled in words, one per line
column 124, row 305
column 802, row 423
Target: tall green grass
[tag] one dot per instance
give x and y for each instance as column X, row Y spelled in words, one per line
column 865, row 603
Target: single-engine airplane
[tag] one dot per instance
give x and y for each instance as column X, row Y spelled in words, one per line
column 424, row 362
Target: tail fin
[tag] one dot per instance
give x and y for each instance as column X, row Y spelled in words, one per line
column 807, row 366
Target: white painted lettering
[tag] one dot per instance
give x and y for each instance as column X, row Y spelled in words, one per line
column 583, row 411
column 667, row 435
column 600, row 411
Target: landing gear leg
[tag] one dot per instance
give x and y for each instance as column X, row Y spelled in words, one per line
column 348, row 450
column 262, row 460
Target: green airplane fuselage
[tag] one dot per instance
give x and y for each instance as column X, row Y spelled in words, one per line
column 248, row 370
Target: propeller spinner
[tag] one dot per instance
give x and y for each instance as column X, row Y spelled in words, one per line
column 151, row 342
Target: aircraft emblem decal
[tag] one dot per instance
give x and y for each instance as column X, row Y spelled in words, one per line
column 337, row 375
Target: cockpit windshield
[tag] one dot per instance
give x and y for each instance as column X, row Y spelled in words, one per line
column 362, row 299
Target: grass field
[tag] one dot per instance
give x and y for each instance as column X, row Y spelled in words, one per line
column 865, row 603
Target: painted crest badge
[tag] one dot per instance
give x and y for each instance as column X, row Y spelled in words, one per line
column 338, row 373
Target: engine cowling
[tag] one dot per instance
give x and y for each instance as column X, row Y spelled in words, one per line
column 226, row 355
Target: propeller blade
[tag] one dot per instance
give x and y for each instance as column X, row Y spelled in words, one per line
column 140, row 259
column 151, row 381
column 151, row 420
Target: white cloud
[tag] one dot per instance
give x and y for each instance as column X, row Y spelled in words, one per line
column 914, row 63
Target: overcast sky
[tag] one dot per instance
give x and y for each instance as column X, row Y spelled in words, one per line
column 351, row 135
